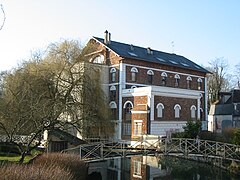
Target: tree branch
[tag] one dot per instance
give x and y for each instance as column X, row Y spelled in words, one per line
column 4, row 17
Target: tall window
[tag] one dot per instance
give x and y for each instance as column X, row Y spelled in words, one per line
column 193, row 111
column 199, row 82
column 127, row 110
column 137, row 127
column 160, row 108
column 189, row 82
column 177, row 80
column 113, row 74
column 134, row 72
column 113, row 107
column 112, row 93
column 150, row 74
column 164, row 78
column 177, row 109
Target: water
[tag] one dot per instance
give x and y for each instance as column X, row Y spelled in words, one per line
column 157, row 168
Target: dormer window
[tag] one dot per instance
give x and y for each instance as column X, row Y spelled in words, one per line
column 134, row 72
column 113, row 74
column 189, row 82
column 150, row 74
column 199, row 83
column 164, row 78
column 177, row 80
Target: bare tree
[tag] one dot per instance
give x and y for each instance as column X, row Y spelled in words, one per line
column 218, row 80
column 4, row 16
column 56, row 90
column 237, row 76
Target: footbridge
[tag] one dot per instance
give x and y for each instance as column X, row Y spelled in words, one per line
column 217, row 153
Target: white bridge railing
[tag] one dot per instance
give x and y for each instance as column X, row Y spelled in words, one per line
column 204, row 150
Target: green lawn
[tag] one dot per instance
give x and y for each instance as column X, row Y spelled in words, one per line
column 15, row 158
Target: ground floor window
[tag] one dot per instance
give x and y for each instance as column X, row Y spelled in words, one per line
column 127, row 129
column 138, row 127
column 137, row 168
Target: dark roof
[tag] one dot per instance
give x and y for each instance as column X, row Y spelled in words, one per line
column 140, row 53
column 222, row 109
column 63, row 135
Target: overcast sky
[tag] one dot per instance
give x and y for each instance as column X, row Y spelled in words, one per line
column 199, row 30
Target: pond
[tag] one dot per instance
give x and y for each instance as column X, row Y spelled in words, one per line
column 156, row 168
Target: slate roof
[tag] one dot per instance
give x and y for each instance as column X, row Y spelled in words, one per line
column 221, row 109
column 63, row 135
column 140, row 53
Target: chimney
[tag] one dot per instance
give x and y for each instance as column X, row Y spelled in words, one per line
column 109, row 38
column 106, row 37
column 149, row 51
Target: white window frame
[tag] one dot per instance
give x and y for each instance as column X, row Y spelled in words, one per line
column 137, row 169
column 137, row 127
column 177, row 78
column 193, row 111
column 134, row 72
column 189, row 81
column 177, row 109
column 160, row 108
column 164, row 78
column 199, row 82
column 113, row 74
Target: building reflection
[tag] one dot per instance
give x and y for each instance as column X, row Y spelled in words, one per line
column 133, row 168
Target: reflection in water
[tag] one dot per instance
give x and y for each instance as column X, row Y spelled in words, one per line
column 156, row 168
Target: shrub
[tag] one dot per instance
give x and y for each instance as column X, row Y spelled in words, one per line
column 70, row 162
column 228, row 134
column 178, row 135
column 236, row 137
column 207, row 135
column 9, row 148
column 192, row 128
column 40, row 172
column 52, row 166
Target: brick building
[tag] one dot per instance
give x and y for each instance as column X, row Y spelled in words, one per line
column 150, row 92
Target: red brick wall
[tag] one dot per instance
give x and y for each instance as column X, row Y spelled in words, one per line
column 142, row 78
column 169, row 103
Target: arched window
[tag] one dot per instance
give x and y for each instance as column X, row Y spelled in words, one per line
column 113, row 74
column 164, row 78
column 177, row 109
column 99, row 59
column 112, row 93
column 193, row 112
column 160, row 108
column 134, row 72
column 128, row 105
column 189, row 82
column 177, row 80
column 113, row 107
column 150, row 74
column 199, row 82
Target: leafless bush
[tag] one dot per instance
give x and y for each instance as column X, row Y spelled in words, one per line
column 38, row 172
column 52, row 166
column 70, row 162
